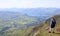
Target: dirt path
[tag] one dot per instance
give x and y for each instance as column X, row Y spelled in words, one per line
column 35, row 34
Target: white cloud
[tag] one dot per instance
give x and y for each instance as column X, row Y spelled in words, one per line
column 29, row 3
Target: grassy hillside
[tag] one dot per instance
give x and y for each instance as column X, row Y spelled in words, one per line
column 42, row 30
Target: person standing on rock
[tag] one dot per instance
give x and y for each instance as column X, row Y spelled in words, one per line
column 52, row 25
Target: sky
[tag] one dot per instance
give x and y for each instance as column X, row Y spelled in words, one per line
column 29, row 3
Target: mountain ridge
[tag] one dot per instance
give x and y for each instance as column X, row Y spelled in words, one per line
column 42, row 29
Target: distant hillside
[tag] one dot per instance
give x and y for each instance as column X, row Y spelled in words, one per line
column 34, row 11
column 42, row 29
column 12, row 23
column 18, row 24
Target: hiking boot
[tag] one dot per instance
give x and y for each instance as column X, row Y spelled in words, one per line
column 49, row 31
column 53, row 32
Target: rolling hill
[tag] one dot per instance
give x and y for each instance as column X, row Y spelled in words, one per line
column 17, row 24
